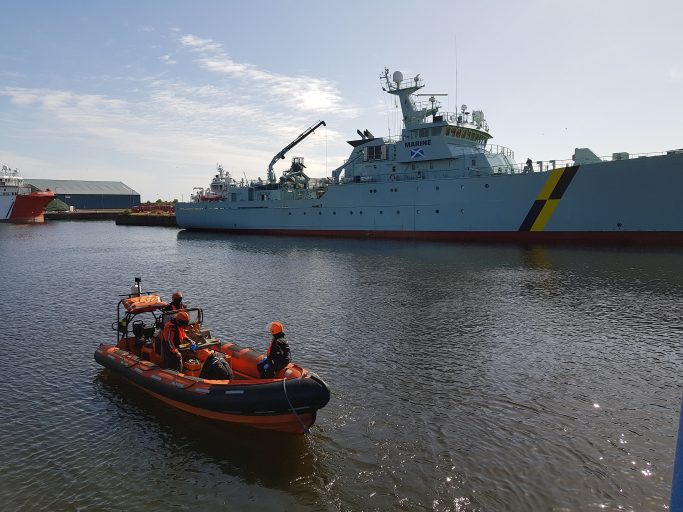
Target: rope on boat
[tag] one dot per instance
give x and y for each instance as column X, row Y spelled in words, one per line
column 284, row 387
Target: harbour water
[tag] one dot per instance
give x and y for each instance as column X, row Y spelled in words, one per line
column 463, row 377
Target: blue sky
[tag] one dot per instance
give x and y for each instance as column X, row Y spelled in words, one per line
column 156, row 93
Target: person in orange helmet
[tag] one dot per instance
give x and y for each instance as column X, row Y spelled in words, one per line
column 278, row 355
column 173, row 336
column 176, row 302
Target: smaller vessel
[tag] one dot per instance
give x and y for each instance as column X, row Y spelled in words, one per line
column 19, row 203
column 217, row 189
column 287, row 403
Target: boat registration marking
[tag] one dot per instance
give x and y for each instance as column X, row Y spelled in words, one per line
column 235, row 392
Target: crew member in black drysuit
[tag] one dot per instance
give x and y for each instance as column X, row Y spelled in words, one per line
column 278, row 355
column 214, row 367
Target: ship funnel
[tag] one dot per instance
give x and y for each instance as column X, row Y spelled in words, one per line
column 368, row 134
column 361, row 134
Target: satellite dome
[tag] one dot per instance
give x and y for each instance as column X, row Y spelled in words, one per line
column 397, row 77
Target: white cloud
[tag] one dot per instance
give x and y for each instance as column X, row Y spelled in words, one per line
column 302, row 93
column 176, row 131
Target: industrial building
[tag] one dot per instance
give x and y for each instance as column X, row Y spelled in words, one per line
column 90, row 195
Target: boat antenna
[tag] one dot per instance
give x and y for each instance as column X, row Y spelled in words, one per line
column 455, row 47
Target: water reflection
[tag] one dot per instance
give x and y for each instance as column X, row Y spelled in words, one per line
column 463, row 377
column 272, row 459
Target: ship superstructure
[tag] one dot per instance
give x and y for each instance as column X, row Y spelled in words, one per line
column 442, row 179
column 19, row 203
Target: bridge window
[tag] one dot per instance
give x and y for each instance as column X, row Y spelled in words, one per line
column 436, row 130
column 423, row 132
column 375, row 153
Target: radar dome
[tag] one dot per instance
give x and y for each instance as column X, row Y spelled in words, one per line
column 397, row 77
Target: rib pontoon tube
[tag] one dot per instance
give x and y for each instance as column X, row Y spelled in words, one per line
column 288, row 403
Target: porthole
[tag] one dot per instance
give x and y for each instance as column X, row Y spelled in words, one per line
column 462, row 210
column 304, row 213
column 486, row 186
column 351, row 213
column 437, row 211
column 381, row 212
column 290, row 213
column 398, row 211
column 360, row 213
column 437, row 187
column 334, row 213
column 320, row 213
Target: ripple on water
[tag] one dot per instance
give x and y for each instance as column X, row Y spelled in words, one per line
column 462, row 377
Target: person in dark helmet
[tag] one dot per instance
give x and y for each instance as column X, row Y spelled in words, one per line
column 214, row 366
column 173, row 336
column 176, row 302
column 278, row 355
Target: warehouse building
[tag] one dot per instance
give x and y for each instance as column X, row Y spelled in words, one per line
column 90, row 195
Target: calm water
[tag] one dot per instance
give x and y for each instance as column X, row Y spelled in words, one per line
column 463, row 377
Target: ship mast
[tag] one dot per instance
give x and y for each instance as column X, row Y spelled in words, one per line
column 404, row 89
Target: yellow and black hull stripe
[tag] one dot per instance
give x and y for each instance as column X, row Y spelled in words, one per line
column 548, row 198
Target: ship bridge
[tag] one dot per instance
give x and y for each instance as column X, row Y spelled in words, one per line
column 432, row 142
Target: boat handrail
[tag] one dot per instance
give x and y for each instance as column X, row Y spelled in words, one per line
column 495, row 149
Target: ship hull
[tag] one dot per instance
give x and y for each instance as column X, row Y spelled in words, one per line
column 624, row 201
column 26, row 208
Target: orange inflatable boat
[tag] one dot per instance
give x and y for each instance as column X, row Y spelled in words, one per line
column 287, row 403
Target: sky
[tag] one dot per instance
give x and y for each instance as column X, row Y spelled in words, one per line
column 157, row 93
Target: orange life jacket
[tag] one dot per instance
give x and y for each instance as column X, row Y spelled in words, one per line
column 169, row 335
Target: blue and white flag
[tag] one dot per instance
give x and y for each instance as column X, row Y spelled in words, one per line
column 417, row 153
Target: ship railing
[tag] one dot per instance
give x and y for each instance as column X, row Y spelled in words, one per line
column 405, row 84
column 549, row 165
column 540, row 166
column 628, row 156
column 495, row 149
column 426, row 105
column 460, row 119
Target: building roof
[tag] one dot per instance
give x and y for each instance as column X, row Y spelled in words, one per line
column 112, row 188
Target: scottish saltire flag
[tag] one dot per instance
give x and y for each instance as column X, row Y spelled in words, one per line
column 417, row 153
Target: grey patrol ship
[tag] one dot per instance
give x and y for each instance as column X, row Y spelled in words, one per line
column 442, row 180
